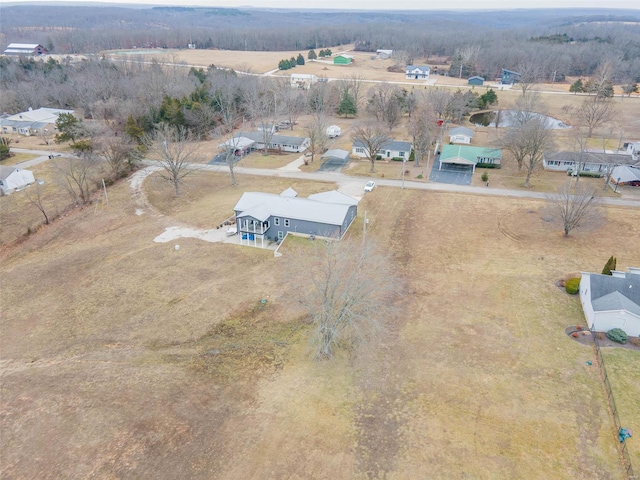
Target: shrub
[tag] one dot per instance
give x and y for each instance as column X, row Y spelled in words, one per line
column 397, row 159
column 575, row 334
column 485, row 176
column 617, row 335
column 610, row 265
column 487, row 165
column 419, row 175
column 378, row 157
column 572, row 286
column 591, row 174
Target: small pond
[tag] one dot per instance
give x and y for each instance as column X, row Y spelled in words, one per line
column 505, row 118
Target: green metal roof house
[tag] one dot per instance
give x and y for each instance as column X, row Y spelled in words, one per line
column 342, row 60
column 469, row 156
column 476, row 80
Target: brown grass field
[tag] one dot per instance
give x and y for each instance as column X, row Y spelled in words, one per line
column 124, row 358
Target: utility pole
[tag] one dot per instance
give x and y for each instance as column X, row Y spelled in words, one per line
column 403, row 168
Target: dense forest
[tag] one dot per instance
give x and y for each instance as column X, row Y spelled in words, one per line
column 561, row 42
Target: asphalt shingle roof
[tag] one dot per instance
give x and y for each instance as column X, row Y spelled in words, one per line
column 615, row 293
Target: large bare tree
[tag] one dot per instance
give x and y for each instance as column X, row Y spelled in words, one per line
column 384, row 103
column 174, row 150
column 423, row 129
column 316, row 130
column 575, row 207
column 78, row 176
column 262, row 104
column 594, row 112
column 347, row 288
column 372, row 136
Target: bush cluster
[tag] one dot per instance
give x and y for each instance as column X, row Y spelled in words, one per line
column 487, row 165
column 572, row 286
column 617, row 335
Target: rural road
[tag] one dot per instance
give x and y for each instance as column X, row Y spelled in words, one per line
column 341, row 179
column 44, row 156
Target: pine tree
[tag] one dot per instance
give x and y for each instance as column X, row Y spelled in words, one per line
column 300, row 59
column 577, row 87
column 610, row 265
column 312, row 55
column 347, row 105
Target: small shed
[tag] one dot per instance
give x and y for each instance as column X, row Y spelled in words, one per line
column 383, row 54
column 12, row 179
column 460, row 135
column 476, row 80
column 343, row 60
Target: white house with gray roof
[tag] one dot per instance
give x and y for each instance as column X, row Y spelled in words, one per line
column 267, row 216
column 391, row 149
column 284, row 143
column 612, row 301
column 417, row 72
column 13, row 179
column 32, row 121
column 460, row 135
column 595, row 162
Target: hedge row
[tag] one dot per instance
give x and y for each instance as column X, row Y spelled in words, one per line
column 487, row 165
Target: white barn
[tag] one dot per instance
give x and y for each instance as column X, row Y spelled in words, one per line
column 12, row 178
column 612, row 301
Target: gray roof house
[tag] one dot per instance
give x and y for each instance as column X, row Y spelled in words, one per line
column 417, row 72
column 596, row 162
column 460, row 135
column 626, row 175
column 612, row 301
column 391, row 149
column 267, row 216
column 31, row 121
column 283, row 143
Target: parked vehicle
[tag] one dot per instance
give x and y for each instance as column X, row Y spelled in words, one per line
column 333, row 131
column 369, row 186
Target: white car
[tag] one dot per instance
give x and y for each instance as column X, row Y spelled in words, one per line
column 369, row 186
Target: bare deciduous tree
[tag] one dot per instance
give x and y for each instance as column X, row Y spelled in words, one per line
column 174, row 151
column 423, row 129
column 594, row 112
column 384, row 103
column 372, row 136
column 317, row 133
column 354, row 85
column 35, row 196
column 575, row 207
column 346, row 287
column 78, row 176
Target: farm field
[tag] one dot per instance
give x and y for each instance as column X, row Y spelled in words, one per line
column 134, row 359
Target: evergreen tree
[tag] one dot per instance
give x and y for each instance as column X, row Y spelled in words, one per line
column 577, row 87
column 321, row 53
column 488, row 98
column 69, row 128
column 610, row 265
column 347, row 105
column 300, row 59
column 312, row 55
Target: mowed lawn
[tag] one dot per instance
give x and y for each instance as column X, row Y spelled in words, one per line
column 122, row 357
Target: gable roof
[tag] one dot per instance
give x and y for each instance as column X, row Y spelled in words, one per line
column 396, row 145
column 615, row 293
column 591, row 157
column 504, row 70
column 261, row 206
column 461, row 131
column 335, row 153
column 476, row 76
column 24, row 45
column 275, row 139
column 467, row 155
column 47, row 115
column 418, row 68
column 6, row 171
column 624, row 173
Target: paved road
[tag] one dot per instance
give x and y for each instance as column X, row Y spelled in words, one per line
column 44, row 157
column 342, row 179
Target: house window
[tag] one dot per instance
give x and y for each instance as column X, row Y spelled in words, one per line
column 266, row 225
column 280, row 235
column 553, row 162
column 401, row 154
column 359, row 150
column 276, row 221
column 287, row 223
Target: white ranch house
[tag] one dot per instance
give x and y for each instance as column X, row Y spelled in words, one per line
column 31, row 122
column 417, row 72
column 245, row 142
column 612, row 301
column 588, row 161
column 391, row 149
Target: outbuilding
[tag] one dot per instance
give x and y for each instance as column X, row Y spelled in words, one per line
column 476, row 80
column 343, row 59
column 12, row 179
column 26, row 49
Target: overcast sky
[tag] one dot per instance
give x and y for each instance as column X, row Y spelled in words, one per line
column 381, row 4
